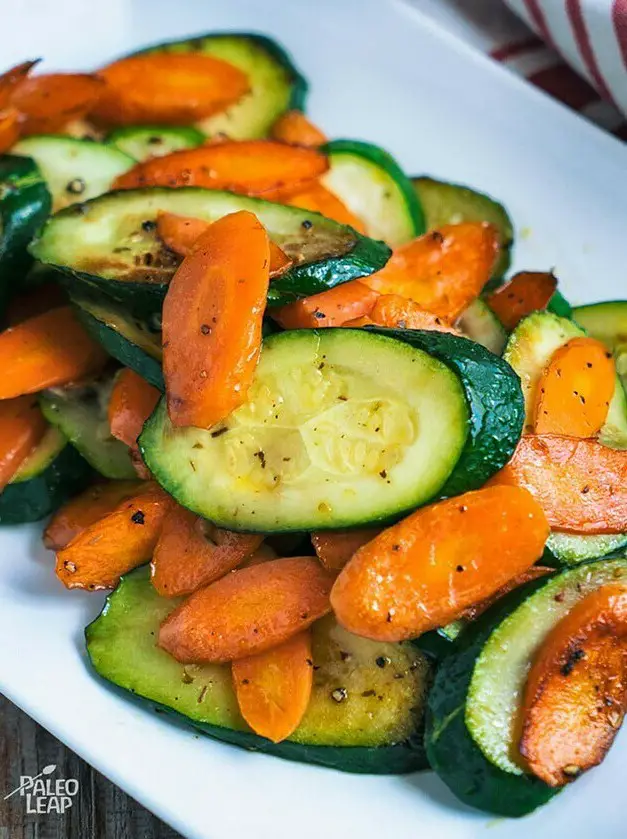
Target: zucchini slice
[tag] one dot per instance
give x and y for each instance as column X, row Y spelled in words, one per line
column 445, row 203
column 80, row 413
column 74, row 170
column 110, row 243
column 375, row 729
column 276, row 85
column 128, row 339
column 480, row 324
column 341, row 428
column 375, row 188
column 144, row 141
column 52, row 474
column 25, row 204
column 607, row 322
column 473, row 705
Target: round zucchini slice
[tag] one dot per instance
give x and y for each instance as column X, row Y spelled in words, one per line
column 142, row 142
column 74, row 170
column 341, row 428
column 376, row 728
column 472, row 717
column 607, row 322
column 110, row 244
column 52, row 474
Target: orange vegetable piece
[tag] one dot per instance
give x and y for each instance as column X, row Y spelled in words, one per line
column 579, row 484
column 294, row 128
column 532, row 573
column 212, row 318
column 111, row 546
column 248, row 611
column 526, row 292
column 132, row 401
column 48, row 350
column 12, row 79
column 273, row 688
column 192, row 552
column 168, row 88
column 335, row 547
column 180, row 234
column 575, row 390
column 394, row 311
column 249, row 167
column 319, row 199
column 443, row 271
column 9, row 129
column 334, row 307
column 426, row 570
column 48, row 102
column 22, row 426
column 88, row 507
column 359, row 323
column 576, row 692
column 38, row 300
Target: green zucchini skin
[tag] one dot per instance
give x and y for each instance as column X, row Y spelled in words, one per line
column 364, row 256
column 32, row 500
column 142, row 142
column 560, row 306
column 25, row 204
column 495, row 403
column 451, row 751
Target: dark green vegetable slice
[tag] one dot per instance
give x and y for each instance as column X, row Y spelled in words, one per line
column 374, row 726
column 445, row 203
column 472, row 712
column 276, row 85
column 80, row 413
column 480, row 324
column 144, row 141
column 375, row 188
column 49, row 477
column 24, row 206
column 110, row 244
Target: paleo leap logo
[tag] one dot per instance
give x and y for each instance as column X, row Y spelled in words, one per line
column 43, row 794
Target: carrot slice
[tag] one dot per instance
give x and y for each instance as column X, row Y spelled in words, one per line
column 401, row 313
column 88, row 507
column 294, row 128
column 22, row 426
column 359, row 323
column 192, row 552
column 335, row 547
column 48, row 102
column 9, row 129
column 526, row 292
column 575, row 389
column 12, row 79
column 248, row 611
column 35, row 302
column 98, row 556
column 444, row 270
column 168, row 88
column 264, row 553
column 580, row 484
column 46, row 351
column 212, row 318
column 576, row 692
column 334, row 307
column 424, row 571
column 132, row 401
column 319, row 199
column 273, row 688
column 532, row 573
column 249, row 167
column 180, row 234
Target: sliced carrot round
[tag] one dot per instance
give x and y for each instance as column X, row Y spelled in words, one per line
column 576, row 692
column 249, row 167
column 48, row 102
column 191, row 553
column 248, row 611
column 426, row 570
column 334, row 307
column 320, row 200
column 526, row 292
column 273, row 688
column 294, row 128
column 9, row 128
column 335, row 547
column 22, row 426
column 132, row 401
column 212, row 319
column 444, row 270
column 394, row 311
column 575, row 390
column 168, row 88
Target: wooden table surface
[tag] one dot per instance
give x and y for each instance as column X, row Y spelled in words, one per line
column 99, row 811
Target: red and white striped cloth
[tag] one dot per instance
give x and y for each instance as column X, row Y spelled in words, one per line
column 575, row 50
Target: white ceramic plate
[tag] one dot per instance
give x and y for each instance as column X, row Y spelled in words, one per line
column 382, row 72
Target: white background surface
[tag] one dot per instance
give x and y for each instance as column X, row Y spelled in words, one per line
column 378, row 71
